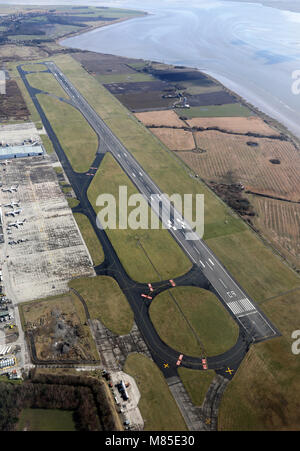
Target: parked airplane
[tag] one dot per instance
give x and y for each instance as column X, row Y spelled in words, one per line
column 16, row 224
column 12, row 242
column 11, row 189
column 13, row 204
column 14, row 213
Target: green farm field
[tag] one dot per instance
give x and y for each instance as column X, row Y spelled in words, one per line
column 90, row 238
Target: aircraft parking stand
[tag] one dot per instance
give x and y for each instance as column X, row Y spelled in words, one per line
column 47, row 250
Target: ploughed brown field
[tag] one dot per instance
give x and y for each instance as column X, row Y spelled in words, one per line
column 279, row 222
column 235, row 124
column 135, row 101
column 164, row 118
column 211, row 98
column 263, row 164
column 102, row 64
column 230, row 155
column 12, row 105
column 175, row 139
column 136, row 87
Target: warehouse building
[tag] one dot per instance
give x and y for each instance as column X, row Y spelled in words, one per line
column 8, row 152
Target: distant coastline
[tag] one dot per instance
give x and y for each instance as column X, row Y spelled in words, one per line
column 257, row 98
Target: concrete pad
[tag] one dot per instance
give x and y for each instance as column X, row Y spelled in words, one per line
column 15, row 134
column 128, row 409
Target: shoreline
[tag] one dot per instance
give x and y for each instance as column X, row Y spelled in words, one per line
column 73, row 34
column 271, row 120
column 253, row 100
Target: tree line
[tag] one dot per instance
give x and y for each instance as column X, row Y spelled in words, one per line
column 84, row 396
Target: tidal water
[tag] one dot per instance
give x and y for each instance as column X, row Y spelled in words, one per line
column 252, row 49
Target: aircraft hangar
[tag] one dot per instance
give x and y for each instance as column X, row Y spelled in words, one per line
column 8, row 152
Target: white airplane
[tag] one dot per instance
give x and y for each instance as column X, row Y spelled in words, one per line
column 171, row 225
column 16, row 224
column 11, row 189
column 14, row 213
column 182, row 223
column 13, row 204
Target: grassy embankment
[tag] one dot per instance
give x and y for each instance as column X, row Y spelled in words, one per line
column 90, row 238
column 47, row 143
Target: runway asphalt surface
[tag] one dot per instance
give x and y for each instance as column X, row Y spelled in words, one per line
column 207, row 272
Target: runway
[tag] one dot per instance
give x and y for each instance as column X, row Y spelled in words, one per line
column 208, row 271
column 233, row 296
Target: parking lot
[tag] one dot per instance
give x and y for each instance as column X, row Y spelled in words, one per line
column 43, row 247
